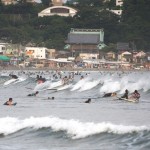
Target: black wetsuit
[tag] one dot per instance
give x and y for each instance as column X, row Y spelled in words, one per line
column 125, row 95
column 14, row 76
column 33, row 94
column 107, row 95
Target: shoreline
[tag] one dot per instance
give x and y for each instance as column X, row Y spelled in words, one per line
column 72, row 69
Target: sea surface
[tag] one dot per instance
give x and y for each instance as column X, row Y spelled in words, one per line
column 67, row 122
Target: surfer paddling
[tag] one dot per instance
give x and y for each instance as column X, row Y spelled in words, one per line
column 88, row 101
column 52, row 98
column 135, row 95
column 10, row 102
column 13, row 76
column 110, row 94
column 33, row 94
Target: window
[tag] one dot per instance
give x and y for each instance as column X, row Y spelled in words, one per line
column 59, row 10
column 3, row 48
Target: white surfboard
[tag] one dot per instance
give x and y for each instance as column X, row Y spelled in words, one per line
column 10, row 81
column 129, row 100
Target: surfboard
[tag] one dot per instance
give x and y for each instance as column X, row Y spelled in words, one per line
column 129, row 100
column 14, row 104
column 10, row 81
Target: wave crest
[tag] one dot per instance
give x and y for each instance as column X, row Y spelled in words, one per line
column 73, row 128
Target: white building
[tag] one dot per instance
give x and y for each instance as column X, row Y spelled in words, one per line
column 117, row 12
column 2, row 48
column 36, row 52
column 119, row 2
column 58, row 10
column 88, row 56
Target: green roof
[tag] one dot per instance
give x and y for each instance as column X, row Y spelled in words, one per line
column 4, row 58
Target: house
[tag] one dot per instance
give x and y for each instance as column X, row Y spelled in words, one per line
column 117, row 12
column 36, row 52
column 10, row 2
column 2, row 48
column 110, row 55
column 119, row 2
column 51, row 53
column 85, row 41
column 121, row 46
column 139, row 57
column 88, row 56
column 125, row 56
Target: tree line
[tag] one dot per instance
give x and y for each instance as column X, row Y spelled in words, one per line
column 20, row 23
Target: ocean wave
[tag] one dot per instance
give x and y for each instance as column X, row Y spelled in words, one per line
column 73, row 128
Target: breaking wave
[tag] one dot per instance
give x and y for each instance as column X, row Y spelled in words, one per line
column 73, row 128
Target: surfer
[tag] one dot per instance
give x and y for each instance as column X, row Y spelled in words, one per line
column 65, row 80
column 88, row 101
column 33, row 94
column 135, row 95
column 37, row 77
column 13, row 76
column 52, row 98
column 110, row 94
column 125, row 95
column 40, row 79
column 10, row 102
column 82, row 77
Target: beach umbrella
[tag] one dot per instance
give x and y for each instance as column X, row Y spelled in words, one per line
column 4, row 58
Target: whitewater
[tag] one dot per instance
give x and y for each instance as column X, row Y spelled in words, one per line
column 67, row 123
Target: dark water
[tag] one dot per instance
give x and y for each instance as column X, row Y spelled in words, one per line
column 67, row 123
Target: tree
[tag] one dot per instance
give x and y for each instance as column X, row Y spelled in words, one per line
column 90, row 3
column 46, row 3
column 110, row 47
column 137, row 22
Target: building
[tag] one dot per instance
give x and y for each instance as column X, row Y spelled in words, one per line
column 9, row 2
column 139, row 57
column 110, row 55
column 119, row 2
column 2, row 48
column 121, row 46
column 36, row 52
column 117, row 12
column 58, row 10
column 89, row 56
column 85, row 41
column 57, row 2
column 51, row 53
column 125, row 56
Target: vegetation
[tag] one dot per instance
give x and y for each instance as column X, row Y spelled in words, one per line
column 20, row 23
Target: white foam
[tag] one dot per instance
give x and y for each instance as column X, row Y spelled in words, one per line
column 79, row 84
column 130, row 81
column 55, row 84
column 73, row 128
column 64, row 87
column 42, row 86
column 89, row 85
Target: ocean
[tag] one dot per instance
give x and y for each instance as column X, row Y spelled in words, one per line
column 67, row 122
